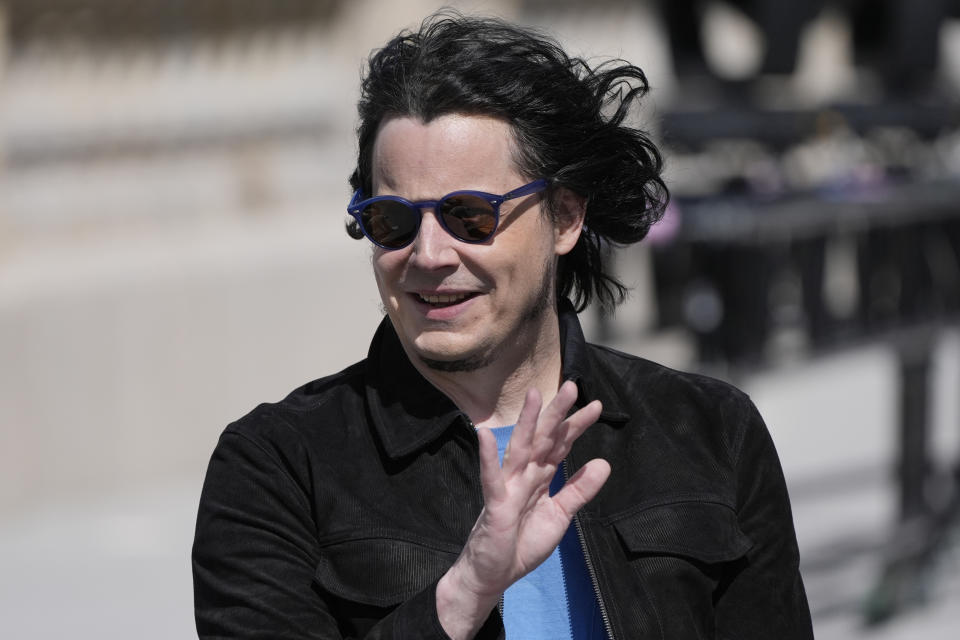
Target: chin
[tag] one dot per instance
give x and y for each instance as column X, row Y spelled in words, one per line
column 454, row 359
column 467, row 363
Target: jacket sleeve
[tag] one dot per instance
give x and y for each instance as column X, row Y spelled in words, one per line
column 766, row 597
column 255, row 554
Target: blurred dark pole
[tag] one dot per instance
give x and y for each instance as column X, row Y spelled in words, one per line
column 735, row 328
column 809, row 255
column 899, row 38
column 915, row 353
column 682, row 19
column 920, row 532
column 780, row 22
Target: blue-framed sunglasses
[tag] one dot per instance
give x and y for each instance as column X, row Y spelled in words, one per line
column 391, row 222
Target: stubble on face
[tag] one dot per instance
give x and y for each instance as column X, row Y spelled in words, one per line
column 532, row 315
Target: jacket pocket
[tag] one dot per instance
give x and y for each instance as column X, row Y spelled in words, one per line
column 679, row 558
column 703, row 531
column 379, row 572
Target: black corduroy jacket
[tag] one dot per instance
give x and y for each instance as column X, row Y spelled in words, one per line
column 333, row 513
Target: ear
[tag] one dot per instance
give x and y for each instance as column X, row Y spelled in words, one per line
column 570, row 214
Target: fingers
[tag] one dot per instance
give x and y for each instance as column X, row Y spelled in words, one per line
column 558, row 408
column 573, row 427
column 552, row 428
column 545, row 438
column 583, row 486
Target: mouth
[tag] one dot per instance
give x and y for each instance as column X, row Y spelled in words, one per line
column 443, row 299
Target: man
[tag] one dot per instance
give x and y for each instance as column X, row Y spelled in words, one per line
column 633, row 501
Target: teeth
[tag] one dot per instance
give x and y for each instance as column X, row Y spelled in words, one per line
column 443, row 298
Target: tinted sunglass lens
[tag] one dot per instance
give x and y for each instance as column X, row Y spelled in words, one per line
column 389, row 223
column 468, row 217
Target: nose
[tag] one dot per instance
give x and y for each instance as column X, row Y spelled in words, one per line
column 433, row 248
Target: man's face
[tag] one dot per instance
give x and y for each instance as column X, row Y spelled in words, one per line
column 459, row 306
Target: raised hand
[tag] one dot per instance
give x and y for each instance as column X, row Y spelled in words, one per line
column 521, row 523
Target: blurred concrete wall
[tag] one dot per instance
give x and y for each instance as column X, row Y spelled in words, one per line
column 171, row 238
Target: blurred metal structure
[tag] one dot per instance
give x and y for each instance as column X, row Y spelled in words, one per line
column 114, row 22
column 897, row 38
column 767, row 199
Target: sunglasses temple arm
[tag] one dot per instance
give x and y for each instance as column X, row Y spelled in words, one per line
column 533, row 187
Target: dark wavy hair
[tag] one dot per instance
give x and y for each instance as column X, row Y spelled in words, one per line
column 568, row 120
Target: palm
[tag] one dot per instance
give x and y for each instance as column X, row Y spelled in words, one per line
column 521, row 523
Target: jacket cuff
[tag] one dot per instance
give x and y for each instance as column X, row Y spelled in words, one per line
column 417, row 618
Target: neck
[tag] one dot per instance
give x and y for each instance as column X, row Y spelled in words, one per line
column 493, row 395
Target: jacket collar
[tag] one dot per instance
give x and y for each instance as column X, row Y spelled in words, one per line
column 580, row 365
column 408, row 412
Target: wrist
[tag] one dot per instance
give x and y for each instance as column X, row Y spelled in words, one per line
column 460, row 609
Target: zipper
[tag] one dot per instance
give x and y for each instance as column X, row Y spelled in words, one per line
column 563, row 578
column 589, row 562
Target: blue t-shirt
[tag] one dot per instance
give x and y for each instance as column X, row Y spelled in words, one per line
column 556, row 600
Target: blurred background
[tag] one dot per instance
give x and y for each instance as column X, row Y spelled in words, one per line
column 172, row 195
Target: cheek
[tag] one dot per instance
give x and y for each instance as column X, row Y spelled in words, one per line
column 386, row 270
column 386, row 264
